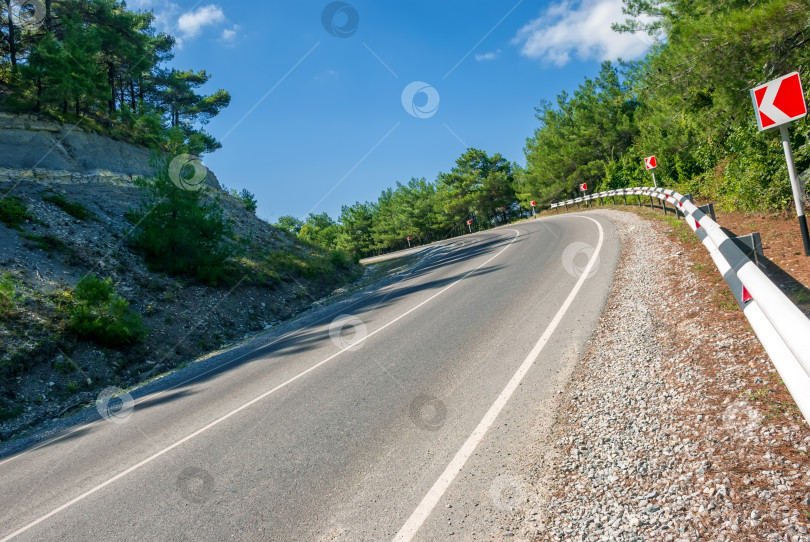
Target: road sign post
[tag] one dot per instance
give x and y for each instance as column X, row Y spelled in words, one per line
column 651, row 164
column 409, row 241
column 534, row 215
column 583, row 189
column 469, row 225
column 778, row 103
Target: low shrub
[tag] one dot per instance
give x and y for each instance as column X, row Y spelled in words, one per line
column 74, row 209
column 13, row 211
column 7, row 296
column 103, row 316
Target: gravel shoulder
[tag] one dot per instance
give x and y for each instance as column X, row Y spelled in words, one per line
column 674, row 426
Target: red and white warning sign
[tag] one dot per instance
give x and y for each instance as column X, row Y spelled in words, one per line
column 533, row 203
column 469, row 222
column 650, row 162
column 779, row 101
column 583, row 187
column 409, row 238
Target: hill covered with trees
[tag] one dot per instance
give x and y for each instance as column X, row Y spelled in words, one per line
column 102, row 66
column 687, row 103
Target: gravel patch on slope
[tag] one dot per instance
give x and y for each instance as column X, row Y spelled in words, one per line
column 675, row 425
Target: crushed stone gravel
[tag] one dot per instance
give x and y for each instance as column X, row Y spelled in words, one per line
column 675, row 426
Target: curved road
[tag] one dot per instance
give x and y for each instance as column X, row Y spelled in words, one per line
column 400, row 420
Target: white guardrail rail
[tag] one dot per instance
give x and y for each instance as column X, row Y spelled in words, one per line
column 780, row 326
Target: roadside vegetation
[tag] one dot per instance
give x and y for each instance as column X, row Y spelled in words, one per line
column 100, row 65
column 103, row 316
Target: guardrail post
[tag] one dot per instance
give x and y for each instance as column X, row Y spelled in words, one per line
column 751, row 245
column 709, row 210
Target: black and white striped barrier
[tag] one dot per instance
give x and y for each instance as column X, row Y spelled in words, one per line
column 780, row 326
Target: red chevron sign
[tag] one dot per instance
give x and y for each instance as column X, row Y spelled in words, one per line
column 650, row 162
column 779, row 101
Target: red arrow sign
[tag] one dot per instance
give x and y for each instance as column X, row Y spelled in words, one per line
column 469, row 222
column 583, row 187
column 779, row 101
column 533, row 203
column 409, row 238
column 650, row 162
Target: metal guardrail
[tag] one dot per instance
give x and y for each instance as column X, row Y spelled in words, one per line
column 780, row 326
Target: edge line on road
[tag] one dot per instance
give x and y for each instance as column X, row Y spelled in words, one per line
column 232, row 413
column 435, row 493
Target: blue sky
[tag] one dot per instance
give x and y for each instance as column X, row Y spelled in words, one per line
column 318, row 118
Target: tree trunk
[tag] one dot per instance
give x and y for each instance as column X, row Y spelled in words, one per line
column 132, row 95
column 48, row 14
column 38, row 106
column 12, row 43
column 111, row 81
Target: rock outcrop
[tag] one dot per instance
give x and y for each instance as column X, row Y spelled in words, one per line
column 35, row 149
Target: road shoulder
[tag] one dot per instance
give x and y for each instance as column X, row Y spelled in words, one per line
column 675, row 424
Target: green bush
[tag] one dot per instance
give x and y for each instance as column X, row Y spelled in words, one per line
column 181, row 232
column 338, row 258
column 13, row 211
column 48, row 243
column 7, row 296
column 103, row 316
column 74, row 209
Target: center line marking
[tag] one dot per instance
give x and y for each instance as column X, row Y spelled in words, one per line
column 248, row 404
column 434, row 495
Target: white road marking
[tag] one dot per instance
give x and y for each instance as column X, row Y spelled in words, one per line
column 434, row 495
column 248, row 404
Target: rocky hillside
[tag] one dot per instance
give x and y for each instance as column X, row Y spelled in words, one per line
column 65, row 153
column 59, row 225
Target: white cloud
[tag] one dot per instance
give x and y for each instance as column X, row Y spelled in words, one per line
column 492, row 55
column 190, row 24
column 165, row 12
column 229, row 34
column 580, row 28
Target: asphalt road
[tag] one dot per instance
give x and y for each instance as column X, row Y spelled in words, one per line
column 403, row 424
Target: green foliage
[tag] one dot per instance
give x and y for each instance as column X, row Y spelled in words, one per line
column 319, row 230
column 74, row 209
column 271, row 266
column 10, row 413
column 65, row 366
column 480, row 187
column 48, row 243
column 289, row 224
column 181, row 232
column 8, row 298
column 249, row 200
column 13, row 211
column 581, row 139
column 99, row 64
column 103, row 316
